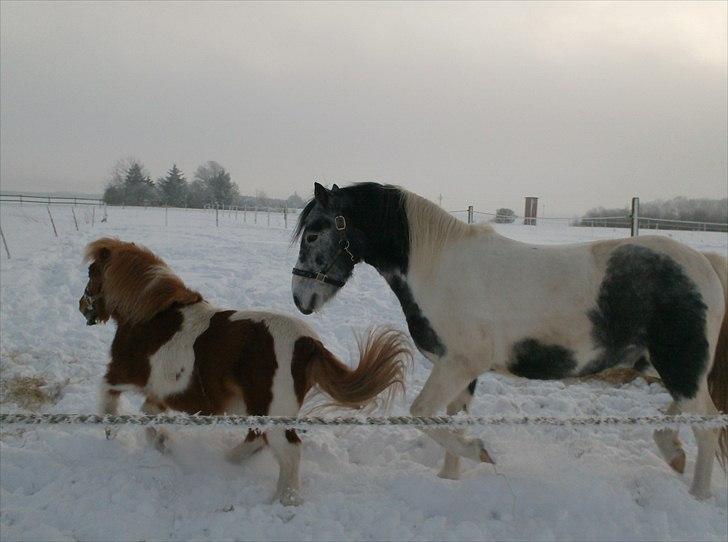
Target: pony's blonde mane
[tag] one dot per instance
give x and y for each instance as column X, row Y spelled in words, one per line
column 431, row 229
column 136, row 283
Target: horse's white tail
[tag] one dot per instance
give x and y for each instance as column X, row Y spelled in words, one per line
column 718, row 377
column 383, row 356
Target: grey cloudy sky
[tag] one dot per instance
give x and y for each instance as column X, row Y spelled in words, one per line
column 582, row 104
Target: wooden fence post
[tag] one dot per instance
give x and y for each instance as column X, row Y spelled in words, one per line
column 470, row 214
column 635, row 216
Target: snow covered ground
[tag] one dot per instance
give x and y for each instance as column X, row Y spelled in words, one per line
column 70, row 483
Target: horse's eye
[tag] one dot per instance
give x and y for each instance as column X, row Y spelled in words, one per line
column 311, row 237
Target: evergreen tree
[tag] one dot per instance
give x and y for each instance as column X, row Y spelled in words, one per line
column 173, row 189
column 138, row 187
column 217, row 182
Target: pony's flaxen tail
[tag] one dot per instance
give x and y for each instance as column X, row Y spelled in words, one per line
column 718, row 377
column 383, row 356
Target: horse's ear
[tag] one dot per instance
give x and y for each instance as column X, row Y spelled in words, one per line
column 321, row 194
column 103, row 255
column 335, row 188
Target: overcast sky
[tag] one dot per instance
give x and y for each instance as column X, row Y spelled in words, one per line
column 579, row 104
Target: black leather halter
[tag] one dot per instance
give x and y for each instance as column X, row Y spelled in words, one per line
column 340, row 223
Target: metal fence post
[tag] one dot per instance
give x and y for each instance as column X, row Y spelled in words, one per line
column 470, row 214
column 52, row 223
column 73, row 212
column 4, row 243
column 635, row 216
column 217, row 222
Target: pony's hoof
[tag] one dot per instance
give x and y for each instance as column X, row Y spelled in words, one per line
column 678, row 461
column 158, row 439
column 290, row 497
column 110, row 432
column 485, row 457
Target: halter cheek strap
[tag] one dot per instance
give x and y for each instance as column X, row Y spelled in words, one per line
column 340, row 223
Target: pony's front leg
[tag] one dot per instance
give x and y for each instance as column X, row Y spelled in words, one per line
column 451, row 466
column 159, row 438
column 109, row 404
column 446, row 381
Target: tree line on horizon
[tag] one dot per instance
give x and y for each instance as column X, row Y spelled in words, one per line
column 130, row 184
column 678, row 208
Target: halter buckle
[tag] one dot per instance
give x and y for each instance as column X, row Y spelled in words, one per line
column 320, row 277
column 340, row 223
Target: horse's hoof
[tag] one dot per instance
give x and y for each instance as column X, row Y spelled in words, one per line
column 701, row 494
column 678, row 461
column 448, row 474
column 485, row 457
column 110, row 432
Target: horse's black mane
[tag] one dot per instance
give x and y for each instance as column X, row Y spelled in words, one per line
column 378, row 210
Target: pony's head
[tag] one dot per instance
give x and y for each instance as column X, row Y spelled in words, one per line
column 129, row 283
column 330, row 247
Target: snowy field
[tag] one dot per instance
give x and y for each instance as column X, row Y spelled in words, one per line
column 70, row 483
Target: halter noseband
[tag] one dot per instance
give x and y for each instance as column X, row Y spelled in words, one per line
column 340, row 223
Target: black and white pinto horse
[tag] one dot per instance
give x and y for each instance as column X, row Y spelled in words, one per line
column 475, row 301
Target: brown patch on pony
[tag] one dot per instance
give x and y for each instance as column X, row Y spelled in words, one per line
column 252, row 435
column 383, row 357
column 136, row 284
column 718, row 376
column 232, row 359
column 292, row 437
column 134, row 344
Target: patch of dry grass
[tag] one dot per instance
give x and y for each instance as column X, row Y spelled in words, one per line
column 29, row 392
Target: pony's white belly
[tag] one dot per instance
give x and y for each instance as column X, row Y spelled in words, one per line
column 172, row 366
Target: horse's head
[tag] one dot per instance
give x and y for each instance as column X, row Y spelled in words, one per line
column 330, row 247
column 92, row 304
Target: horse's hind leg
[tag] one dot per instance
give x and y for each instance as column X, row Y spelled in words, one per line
column 451, row 466
column 253, row 442
column 286, row 447
column 669, row 444
column 707, row 440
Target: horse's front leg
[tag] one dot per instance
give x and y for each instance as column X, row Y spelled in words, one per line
column 445, row 383
column 451, row 466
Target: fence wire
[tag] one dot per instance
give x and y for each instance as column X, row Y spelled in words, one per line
column 291, row 422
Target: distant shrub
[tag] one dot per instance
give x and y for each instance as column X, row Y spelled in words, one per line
column 505, row 216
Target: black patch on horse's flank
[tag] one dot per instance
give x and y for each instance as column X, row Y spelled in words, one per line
column 419, row 326
column 471, row 386
column 533, row 359
column 646, row 299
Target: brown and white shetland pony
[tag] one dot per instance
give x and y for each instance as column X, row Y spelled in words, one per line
column 184, row 354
